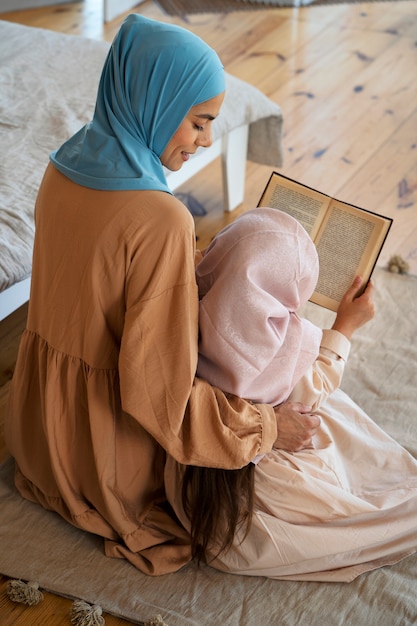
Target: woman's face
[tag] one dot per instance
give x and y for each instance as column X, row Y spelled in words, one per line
column 193, row 132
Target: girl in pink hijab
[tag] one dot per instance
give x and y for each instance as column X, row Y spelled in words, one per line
column 252, row 279
column 346, row 505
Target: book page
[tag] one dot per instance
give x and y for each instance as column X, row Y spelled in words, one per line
column 304, row 204
column 348, row 244
column 348, row 239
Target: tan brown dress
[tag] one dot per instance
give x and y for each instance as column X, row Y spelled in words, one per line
column 104, row 381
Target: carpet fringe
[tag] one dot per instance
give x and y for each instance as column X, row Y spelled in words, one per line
column 24, row 593
column 398, row 265
column 82, row 613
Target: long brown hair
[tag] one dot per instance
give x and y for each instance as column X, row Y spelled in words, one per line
column 217, row 502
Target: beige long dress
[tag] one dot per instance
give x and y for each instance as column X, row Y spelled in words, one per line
column 104, row 381
column 346, row 506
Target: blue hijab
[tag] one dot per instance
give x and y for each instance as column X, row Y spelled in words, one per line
column 154, row 73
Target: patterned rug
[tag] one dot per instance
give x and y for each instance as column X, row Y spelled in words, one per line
column 184, row 7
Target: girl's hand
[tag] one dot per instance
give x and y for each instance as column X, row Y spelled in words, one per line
column 355, row 311
column 296, row 426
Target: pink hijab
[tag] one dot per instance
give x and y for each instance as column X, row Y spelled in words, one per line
column 253, row 277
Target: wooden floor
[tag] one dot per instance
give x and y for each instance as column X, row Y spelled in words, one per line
column 345, row 77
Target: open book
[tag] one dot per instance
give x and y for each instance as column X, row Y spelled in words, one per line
column 348, row 239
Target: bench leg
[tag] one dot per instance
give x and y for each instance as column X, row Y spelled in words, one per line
column 234, row 151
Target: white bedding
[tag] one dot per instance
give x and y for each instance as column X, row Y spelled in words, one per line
column 48, row 84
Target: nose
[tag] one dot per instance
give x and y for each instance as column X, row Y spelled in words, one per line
column 205, row 138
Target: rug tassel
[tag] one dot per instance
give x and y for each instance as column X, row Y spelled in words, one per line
column 24, row 593
column 398, row 265
column 84, row 614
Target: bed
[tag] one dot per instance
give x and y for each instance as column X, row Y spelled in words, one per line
column 48, row 83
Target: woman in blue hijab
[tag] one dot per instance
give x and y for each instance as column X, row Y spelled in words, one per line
column 154, row 74
column 104, row 384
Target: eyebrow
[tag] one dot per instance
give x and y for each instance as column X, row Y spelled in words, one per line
column 206, row 116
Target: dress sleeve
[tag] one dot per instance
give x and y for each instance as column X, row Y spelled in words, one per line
column 325, row 375
column 193, row 421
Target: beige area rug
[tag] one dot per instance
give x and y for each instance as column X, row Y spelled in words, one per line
column 184, row 7
column 381, row 376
